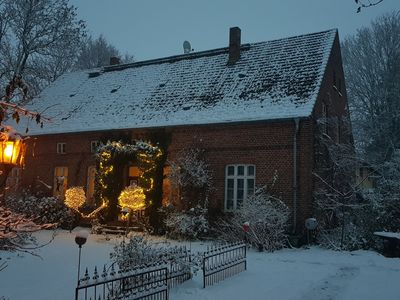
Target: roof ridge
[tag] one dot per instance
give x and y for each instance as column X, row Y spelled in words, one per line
column 193, row 55
column 173, row 58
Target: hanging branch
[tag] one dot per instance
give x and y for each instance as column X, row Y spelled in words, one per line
column 18, row 84
column 370, row 3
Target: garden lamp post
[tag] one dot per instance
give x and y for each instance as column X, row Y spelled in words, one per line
column 126, row 211
column 80, row 239
column 12, row 152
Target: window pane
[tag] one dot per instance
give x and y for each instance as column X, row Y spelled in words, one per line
column 250, row 170
column 240, row 193
column 230, row 183
column 250, row 187
column 240, row 184
column 231, row 170
column 241, row 170
column 229, row 194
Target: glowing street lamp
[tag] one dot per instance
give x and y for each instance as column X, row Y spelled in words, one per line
column 12, row 152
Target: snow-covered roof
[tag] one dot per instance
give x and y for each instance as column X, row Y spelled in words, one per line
column 271, row 80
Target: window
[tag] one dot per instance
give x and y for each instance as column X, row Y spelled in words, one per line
column 61, row 148
column 91, row 175
column 133, row 175
column 94, row 145
column 60, row 181
column 239, row 184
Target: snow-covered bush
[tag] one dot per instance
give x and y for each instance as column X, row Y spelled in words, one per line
column 191, row 178
column 266, row 218
column 75, row 197
column 42, row 210
column 349, row 219
column 190, row 224
column 15, row 231
column 132, row 197
column 138, row 251
column 350, row 226
column 386, row 195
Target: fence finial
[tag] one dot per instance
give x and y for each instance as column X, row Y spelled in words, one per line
column 95, row 274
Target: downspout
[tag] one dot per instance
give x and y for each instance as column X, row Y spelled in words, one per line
column 296, row 130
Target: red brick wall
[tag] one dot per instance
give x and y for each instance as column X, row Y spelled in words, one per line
column 336, row 102
column 269, row 146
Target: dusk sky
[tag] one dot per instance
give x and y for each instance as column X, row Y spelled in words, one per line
column 157, row 28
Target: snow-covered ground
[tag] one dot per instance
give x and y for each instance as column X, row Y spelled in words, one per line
column 287, row 274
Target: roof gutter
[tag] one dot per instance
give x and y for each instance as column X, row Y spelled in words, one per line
column 296, row 130
column 173, row 126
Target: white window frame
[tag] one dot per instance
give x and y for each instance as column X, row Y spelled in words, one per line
column 235, row 178
column 94, row 145
column 61, row 148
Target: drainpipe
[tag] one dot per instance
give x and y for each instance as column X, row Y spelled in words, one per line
column 296, row 130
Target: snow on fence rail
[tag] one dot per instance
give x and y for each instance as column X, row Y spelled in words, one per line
column 146, row 282
column 171, row 269
column 179, row 263
column 220, row 262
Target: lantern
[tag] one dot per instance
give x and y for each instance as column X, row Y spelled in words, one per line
column 12, row 152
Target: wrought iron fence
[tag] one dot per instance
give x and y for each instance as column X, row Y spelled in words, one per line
column 220, row 262
column 147, row 282
column 172, row 268
column 179, row 264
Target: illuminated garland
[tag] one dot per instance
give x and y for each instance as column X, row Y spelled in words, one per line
column 112, row 158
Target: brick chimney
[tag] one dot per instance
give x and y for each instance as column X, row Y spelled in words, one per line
column 234, row 45
column 114, row 61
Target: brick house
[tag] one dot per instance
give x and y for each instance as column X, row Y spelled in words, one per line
column 253, row 108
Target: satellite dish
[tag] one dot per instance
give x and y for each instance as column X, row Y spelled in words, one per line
column 187, row 48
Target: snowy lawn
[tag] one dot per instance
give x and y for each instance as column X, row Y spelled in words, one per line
column 287, row 274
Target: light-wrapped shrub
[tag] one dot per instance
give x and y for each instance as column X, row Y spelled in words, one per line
column 75, row 197
column 132, row 197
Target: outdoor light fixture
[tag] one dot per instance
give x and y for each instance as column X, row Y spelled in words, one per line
column 80, row 239
column 12, row 152
column 125, row 212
